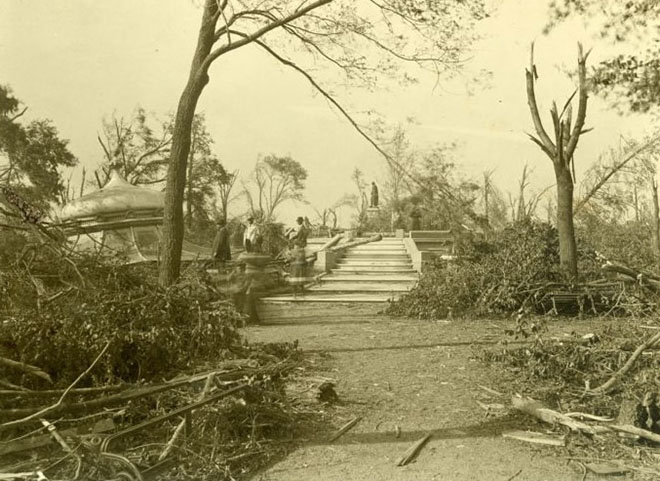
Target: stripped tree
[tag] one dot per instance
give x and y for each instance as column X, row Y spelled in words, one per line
column 362, row 39
column 561, row 151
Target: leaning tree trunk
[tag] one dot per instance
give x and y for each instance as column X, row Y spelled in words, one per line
column 565, row 229
column 173, row 227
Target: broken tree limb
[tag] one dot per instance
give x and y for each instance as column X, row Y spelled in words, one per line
column 539, row 411
column 614, row 380
column 412, row 452
column 26, row 368
column 344, row 429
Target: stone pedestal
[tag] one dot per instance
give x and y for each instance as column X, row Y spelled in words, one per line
column 399, row 234
column 373, row 212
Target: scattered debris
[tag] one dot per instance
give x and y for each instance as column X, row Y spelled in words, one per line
column 327, row 393
column 536, row 438
column 412, row 452
column 344, row 429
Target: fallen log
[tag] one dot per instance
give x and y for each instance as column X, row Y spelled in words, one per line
column 614, row 380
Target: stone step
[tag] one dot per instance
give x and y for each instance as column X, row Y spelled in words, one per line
column 374, row 277
column 367, row 257
column 374, row 263
column 352, row 270
column 376, row 253
column 361, row 287
column 329, row 297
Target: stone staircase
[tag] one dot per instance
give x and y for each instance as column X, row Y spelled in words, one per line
column 374, row 272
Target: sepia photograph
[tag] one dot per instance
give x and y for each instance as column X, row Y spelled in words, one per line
column 329, row 240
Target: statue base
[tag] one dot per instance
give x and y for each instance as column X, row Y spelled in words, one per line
column 373, row 212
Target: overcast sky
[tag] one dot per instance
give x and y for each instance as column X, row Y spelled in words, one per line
column 76, row 61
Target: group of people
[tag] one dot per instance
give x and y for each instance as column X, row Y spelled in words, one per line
column 296, row 238
column 222, row 241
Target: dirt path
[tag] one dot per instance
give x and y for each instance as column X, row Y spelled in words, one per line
column 417, row 375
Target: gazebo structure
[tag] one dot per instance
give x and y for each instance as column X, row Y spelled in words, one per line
column 120, row 220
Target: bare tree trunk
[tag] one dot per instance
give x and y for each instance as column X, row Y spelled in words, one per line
column 189, row 196
column 172, row 241
column 567, row 245
column 636, row 203
column 656, row 218
column 561, row 151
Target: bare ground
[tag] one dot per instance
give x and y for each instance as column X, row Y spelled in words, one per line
column 415, row 376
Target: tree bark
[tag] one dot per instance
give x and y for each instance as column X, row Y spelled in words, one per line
column 172, row 240
column 567, row 245
column 656, row 218
column 189, row 195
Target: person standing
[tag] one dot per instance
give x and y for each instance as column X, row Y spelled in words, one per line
column 250, row 235
column 221, row 247
column 298, row 241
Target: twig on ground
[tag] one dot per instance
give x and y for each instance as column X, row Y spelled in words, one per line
column 412, row 452
column 345, row 428
column 514, row 475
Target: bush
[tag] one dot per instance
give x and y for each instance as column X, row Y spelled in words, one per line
column 151, row 331
column 487, row 277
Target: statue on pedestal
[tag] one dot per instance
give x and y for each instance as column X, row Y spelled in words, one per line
column 374, row 196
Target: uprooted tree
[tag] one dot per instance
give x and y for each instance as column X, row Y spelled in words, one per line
column 360, row 39
column 561, row 151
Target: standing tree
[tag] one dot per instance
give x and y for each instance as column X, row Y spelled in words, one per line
column 561, row 151
column 32, row 155
column 276, row 180
column 135, row 148
column 361, row 39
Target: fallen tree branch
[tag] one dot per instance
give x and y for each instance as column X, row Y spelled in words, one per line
column 614, row 380
column 133, row 394
column 539, row 411
column 59, row 402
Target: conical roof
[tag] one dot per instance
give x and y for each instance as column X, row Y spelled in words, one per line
column 116, row 197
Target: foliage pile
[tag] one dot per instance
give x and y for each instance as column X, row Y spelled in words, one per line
column 487, row 277
column 234, row 434
column 67, row 315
